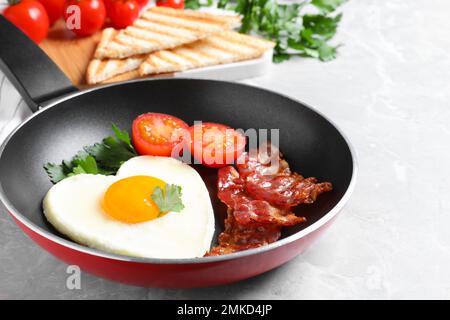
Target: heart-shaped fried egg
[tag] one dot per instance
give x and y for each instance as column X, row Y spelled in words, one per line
column 117, row 213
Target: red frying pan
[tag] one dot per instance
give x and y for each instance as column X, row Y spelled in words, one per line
column 66, row 119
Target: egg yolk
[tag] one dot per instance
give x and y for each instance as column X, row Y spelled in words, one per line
column 129, row 199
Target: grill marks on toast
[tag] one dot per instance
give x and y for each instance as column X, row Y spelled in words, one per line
column 148, row 33
column 162, row 28
column 218, row 49
column 100, row 70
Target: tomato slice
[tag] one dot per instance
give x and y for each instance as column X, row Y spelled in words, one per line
column 215, row 145
column 157, row 134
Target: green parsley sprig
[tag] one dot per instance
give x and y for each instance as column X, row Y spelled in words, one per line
column 168, row 199
column 294, row 29
column 104, row 157
column 197, row 4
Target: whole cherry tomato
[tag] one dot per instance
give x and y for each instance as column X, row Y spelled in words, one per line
column 176, row 4
column 122, row 12
column 84, row 17
column 107, row 4
column 30, row 17
column 54, row 8
column 142, row 3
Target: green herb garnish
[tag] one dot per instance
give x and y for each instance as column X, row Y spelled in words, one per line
column 168, row 199
column 299, row 29
column 196, row 4
column 55, row 172
column 105, row 158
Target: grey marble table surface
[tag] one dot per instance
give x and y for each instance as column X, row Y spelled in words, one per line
column 389, row 90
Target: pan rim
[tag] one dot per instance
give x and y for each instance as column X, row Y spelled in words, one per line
column 203, row 260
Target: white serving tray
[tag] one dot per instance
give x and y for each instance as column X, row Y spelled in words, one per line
column 231, row 71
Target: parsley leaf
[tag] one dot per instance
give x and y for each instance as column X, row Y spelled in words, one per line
column 110, row 153
column 196, row 4
column 321, row 26
column 327, row 52
column 85, row 162
column 123, row 136
column 168, row 199
column 101, row 158
column 327, row 6
column 55, row 172
column 298, row 29
column 81, row 163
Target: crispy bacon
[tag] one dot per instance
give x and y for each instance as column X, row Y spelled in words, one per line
column 267, row 160
column 237, row 237
column 247, row 210
column 259, row 199
column 276, row 184
column 285, row 190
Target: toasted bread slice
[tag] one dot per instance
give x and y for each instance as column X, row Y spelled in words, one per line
column 222, row 48
column 161, row 28
column 100, row 70
column 227, row 47
column 130, row 75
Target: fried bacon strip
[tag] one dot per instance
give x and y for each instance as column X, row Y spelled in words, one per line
column 259, row 199
column 247, row 210
column 281, row 187
column 237, row 237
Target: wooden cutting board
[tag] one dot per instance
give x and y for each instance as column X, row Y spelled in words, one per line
column 70, row 53
column 73, row 54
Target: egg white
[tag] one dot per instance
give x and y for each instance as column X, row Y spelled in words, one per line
column 73, row 207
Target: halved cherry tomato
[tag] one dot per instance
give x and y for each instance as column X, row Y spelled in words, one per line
column 54, row 8
column 157, row 134
column 176, row 4
column 92, row 14
column 122, row 12
column 30, row 17
column 215, row 145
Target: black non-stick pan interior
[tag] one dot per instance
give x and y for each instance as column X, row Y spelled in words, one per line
column 311, row 144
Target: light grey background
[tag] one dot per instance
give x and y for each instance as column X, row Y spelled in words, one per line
column 389, row 90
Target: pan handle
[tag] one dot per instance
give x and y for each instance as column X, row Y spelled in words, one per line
column 29, row 69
